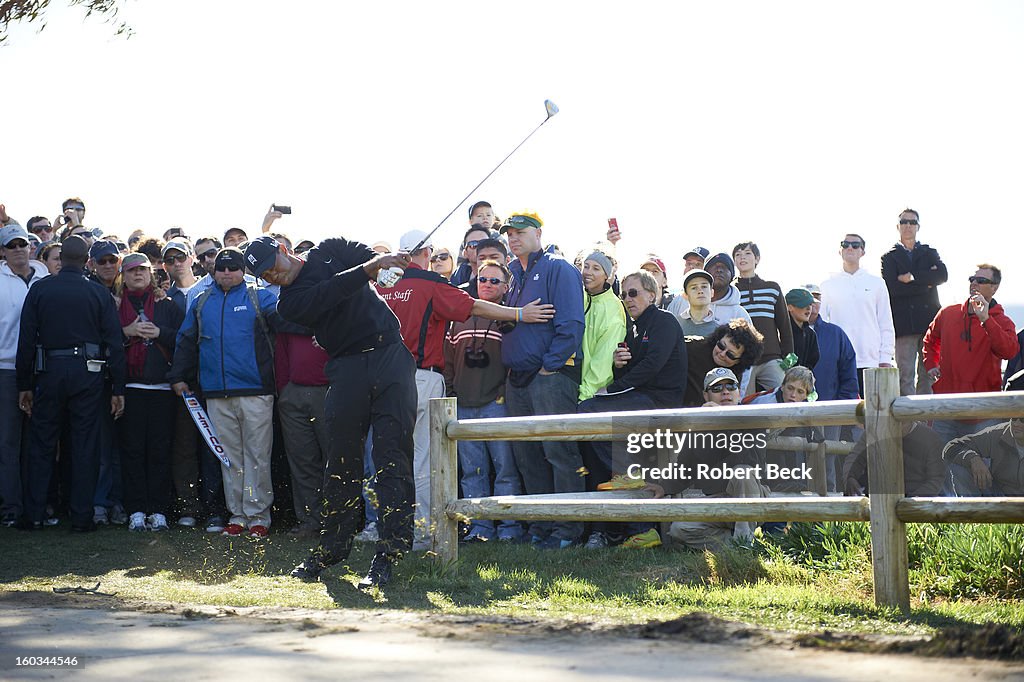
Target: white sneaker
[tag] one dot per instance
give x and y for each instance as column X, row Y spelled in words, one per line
column 187, row 521
column 99, row 515
column 137, row 521
column 368, row 534
column 157, row 522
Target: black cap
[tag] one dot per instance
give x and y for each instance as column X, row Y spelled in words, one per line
column 261, row 254
column 478, row 205
column 229, row 255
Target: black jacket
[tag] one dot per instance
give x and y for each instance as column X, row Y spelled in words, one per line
column 658, row 366
column 333, row 297
column 915, row 304
column 159, row 354
column 64, row 311
column 805, row 344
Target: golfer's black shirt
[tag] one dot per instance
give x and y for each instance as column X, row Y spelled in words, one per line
column 333, row 297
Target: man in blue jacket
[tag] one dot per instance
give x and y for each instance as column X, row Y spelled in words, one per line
column 225, row 341
column 835, row 373
column 544, row 362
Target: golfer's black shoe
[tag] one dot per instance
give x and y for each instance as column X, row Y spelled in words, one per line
column 309, row 570
column 379, row 574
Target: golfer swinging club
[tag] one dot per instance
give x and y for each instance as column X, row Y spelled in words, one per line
column 372, row 382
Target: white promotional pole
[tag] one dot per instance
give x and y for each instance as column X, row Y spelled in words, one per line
column 205, row 426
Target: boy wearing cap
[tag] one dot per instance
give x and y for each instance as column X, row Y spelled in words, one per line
column 697, row 319
column 805, row 342
column 233, row 360
column 481, row 219
column 725, row 297
column 18, row 273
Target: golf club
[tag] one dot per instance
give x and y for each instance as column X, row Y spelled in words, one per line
column 393, row 274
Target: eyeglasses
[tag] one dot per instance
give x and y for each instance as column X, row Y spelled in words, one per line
column 631, row 293
column 728, row 353
column 107, row 260
column 207, row 254
column 907, row 222
column 77, row 207
column 723, row 386
column 170, row 260
column 16, row 244
column 228, row 268
column 851, row 245
column 440, row 257
column 40, row 228
column 981, row 280
column 491, row 280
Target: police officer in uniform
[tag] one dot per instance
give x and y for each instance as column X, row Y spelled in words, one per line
column 373, row 382
column 70, row 333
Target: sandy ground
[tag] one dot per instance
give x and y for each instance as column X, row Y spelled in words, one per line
column 115, row 643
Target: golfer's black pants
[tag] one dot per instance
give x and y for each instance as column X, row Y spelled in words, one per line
column 375, row 388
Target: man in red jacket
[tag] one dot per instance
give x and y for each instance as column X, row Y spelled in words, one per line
column 964, row 348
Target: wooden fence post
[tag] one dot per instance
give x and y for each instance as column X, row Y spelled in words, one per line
column 819, row 479
column 444, row 482
column 886, row 488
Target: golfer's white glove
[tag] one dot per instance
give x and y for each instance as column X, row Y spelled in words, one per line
column 389, row 277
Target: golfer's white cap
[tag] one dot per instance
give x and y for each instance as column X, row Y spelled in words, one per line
column 411, row 239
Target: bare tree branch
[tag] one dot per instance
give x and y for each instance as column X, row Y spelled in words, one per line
column 34, row 11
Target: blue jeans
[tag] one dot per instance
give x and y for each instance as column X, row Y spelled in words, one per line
column 478, row 458
column 959, row 484
column 548, row 466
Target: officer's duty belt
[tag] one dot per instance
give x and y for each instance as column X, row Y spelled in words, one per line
column 88, row 352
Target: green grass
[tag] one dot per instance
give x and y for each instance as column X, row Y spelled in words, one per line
column 817, row 577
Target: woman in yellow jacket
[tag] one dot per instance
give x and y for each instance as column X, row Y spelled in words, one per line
column 605, row 321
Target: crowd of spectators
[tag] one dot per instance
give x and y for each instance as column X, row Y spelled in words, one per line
column 505, row 324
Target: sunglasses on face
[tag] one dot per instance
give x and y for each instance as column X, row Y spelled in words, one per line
column 908, row 222
column 208, row 254
column 228, row 268
column 981, row 280
column 631, row 293
column 851, row 245
column 723, row 386
column 41, row 228
column 107, row 260
column 491, row 280
column 728, row 353
column 440, row 257
column 171, row 260
column 16, row 244
column 473, row 244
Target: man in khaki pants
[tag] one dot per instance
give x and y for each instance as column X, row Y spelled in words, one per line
column 226, row 342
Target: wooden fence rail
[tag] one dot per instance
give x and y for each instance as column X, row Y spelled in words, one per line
column 881, row 413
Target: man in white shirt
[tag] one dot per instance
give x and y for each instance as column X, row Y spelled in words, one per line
column 859, row 303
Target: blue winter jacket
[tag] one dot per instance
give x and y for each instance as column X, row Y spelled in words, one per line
column 550, row 345
column 835, row 375
column 235, row 355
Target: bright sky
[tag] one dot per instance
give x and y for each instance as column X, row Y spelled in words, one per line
column 691, row 123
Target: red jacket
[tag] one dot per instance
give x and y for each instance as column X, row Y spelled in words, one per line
column 424, row 303
column 968, row 354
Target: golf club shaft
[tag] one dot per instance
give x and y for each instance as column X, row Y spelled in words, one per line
column 478, row 185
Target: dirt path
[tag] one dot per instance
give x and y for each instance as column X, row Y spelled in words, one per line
column 113, row 643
